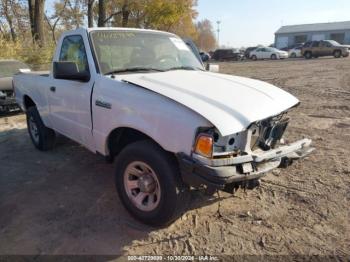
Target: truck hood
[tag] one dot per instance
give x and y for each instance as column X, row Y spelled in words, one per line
column 230, row 103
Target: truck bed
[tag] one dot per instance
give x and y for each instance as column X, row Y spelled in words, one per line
column 36, row 73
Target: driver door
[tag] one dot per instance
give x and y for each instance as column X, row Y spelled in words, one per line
column 264, row 53
column 258, row 53
column 69, row 100
column 326, row 48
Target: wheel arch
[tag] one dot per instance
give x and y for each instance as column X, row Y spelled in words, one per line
column 337, row 50
column 308, row 52
column 28, row 102
column 120, row 137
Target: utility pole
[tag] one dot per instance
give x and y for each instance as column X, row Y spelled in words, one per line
column 218, row 31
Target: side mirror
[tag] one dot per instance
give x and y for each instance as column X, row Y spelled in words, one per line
column 212, row 68
column 69, row 71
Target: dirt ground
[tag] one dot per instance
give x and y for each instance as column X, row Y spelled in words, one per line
column 64, row 201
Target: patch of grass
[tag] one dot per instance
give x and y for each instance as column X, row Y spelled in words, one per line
column 39, row 58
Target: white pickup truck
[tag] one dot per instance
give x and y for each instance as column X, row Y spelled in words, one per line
column 143, row 97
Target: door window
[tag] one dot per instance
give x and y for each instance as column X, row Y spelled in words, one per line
column 73, row 50
column 325, row 44
column 315, row 44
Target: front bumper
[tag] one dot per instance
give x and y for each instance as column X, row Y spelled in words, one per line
column 219, row 172
column 283, row 56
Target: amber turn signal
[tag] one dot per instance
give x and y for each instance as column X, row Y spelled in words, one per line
column 204, row 145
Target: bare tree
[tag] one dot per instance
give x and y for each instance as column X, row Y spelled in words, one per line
column 2, row 30
column 39, row 22
column 31, row 15
column 90, row 13
column 55, row 18
column 6, row 11
column 125, row 13
column 74, row 8
column 101, row 13
column 206, row 36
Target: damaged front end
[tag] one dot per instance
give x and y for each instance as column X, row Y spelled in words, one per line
column 241, row 159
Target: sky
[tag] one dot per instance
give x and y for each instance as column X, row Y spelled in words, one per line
column 251, row 22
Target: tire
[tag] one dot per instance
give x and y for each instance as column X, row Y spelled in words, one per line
column 273, row 57
column 42, row 137
column 293, row 55
column 254, row 58
column 308, row 55
column 337, row 53
column 167, row 197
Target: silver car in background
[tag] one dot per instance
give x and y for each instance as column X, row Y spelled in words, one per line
column 7, row 69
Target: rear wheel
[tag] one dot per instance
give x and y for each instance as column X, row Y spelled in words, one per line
column 149, row 184
column 42, row 137
column 293, row 55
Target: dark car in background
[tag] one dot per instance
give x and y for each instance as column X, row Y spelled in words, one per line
column 227, row 55
column 205, row 56
column 7, row 69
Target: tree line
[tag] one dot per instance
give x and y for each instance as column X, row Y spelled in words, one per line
column 28, row 21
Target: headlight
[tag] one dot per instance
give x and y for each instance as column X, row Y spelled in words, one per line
column 204, row 145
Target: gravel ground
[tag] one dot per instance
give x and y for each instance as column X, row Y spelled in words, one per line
column 64, row 201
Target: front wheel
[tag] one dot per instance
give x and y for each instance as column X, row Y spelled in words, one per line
column 254, row 58
column 337, row 54
column 149, row 184
column 308, row 55
column 273, row 57
column 42, row 137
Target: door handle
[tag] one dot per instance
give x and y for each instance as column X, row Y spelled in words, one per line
column 53, row 89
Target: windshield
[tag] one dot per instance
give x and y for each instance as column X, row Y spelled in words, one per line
column 119, row 51
column 333, row 43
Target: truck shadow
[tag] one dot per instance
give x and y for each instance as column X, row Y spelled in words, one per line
column 63, row 201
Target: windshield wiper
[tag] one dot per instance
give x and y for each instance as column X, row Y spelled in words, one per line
column 133, row 69
column 184, row 68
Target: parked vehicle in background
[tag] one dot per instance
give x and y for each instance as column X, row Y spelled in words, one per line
column 268, row 53
column 7, row 69
column 285, row 49
column 142, row 97
column 204, row 56
column 295, row 52
column 228, row 54
column 324, row 48
column 248, row 50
